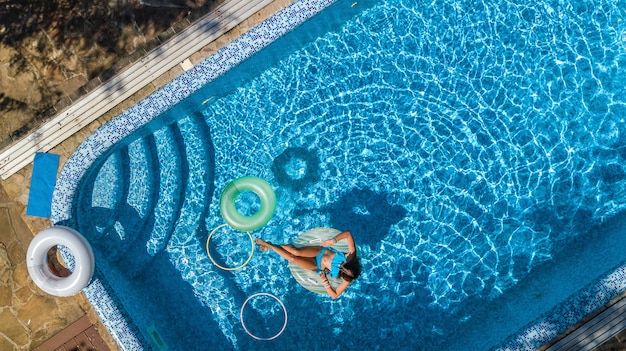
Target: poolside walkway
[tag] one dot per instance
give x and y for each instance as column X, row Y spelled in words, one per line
column 602, row 330
column 80, row 335
column 616, row 343
column 28, row 316
column 139, row 74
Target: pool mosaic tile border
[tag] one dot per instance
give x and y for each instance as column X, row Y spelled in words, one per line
column 567, row 313
column 146, row 110
column 539, row 333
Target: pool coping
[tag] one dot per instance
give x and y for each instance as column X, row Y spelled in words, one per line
column 540, row 332
column 593, row 331
column 568, row 313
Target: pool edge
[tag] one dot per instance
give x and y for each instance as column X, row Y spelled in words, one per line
column 528, row 338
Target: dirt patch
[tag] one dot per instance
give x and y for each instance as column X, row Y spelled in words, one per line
column 50, row 49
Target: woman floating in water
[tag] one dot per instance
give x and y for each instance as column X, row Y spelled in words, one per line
column 323, row 259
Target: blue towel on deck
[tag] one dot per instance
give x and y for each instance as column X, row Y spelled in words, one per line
column 42, row 183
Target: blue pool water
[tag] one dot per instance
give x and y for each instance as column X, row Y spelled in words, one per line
column 464, row 145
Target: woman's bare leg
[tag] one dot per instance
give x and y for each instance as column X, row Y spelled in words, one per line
column 304, row 251
column 304, row 262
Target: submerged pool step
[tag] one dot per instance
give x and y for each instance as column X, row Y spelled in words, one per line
column 200, row 160
column 100, row 210
column 142, row 169
column 138, row 189
column 191, row 232
column 120, row 208
column 143, row 187
column 173, row 172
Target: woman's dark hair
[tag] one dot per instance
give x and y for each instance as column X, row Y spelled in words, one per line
column 351, row 269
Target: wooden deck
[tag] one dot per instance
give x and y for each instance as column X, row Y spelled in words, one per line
column 593, row 332
column 81, row 335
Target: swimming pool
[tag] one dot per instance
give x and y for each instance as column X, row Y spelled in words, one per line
column 465, row 146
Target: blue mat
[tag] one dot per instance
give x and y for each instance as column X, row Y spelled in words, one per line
column 42, row 184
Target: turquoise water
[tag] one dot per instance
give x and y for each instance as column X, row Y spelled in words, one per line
column 464, row 145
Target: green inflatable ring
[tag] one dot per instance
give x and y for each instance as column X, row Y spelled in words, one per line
column 309, row 279
column 247, row 223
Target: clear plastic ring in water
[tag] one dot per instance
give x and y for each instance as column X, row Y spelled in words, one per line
column 208, row 240
column 244, row 324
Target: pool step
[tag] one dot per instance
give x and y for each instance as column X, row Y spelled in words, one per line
column 122, row 189
column 191, row 227
column 162, row 181
column 197, row 142
column 173, row 173
column 100, row 207
column 141, row 193
column 154, row 177
column 141, row 187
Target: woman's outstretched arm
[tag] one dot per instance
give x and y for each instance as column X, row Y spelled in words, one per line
column 341, row 236
column 334, row 293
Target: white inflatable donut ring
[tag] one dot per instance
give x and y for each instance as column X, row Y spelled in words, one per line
column 37, row 261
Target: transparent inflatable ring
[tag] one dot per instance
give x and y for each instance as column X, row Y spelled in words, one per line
column 281, row 305
column 38, row 265
column 208, row 240
column 237, row 220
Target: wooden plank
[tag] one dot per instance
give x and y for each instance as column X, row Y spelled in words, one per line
column 607, row 333
column 72, row 345
column 95, row 339
column 596, row 331
column 83, row 342
column 59, row 339
column 603, row 327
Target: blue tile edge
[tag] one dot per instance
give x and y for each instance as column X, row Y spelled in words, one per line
column 567, row 313
column 115, row 320
column 98, row 292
